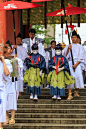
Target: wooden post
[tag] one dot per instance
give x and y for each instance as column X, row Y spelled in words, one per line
column 78, row 4
column 2, row 29
column 62, row 1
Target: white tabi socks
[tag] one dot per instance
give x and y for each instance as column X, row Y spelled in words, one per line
column 35, row 97
column 54, row 97
column 31, row 96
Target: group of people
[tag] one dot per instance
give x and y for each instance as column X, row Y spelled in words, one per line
column 33, row 66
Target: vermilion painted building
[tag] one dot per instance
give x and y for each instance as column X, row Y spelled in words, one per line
column 6, row 25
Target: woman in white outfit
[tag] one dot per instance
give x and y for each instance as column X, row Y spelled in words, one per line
column 5, row 70
column 12, row 85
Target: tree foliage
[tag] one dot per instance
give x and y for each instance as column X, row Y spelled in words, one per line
column 42, row 32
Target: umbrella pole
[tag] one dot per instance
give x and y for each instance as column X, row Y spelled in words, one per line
column 14, row 33
column 68, row 33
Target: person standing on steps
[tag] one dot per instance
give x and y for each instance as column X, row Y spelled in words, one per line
column 22, row 54
column 12, row 83
column 59, row 69
column 35, row 73
column 28, row 42
column 50, row 52
column 5, row 70
column 76, row 69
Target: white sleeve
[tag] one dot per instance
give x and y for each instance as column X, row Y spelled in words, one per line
column 20, row 68
column 47, row 58
column 25, row 46
column 20, row 63
column 8, row 65
column 13, row 53
column 24, row 54
column 82, row 54
column 41, row 50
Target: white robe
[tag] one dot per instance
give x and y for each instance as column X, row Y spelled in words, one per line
column 13, row 88
column 40, row 47
column 78, row 55
column 47, row 57
column 3, row 94
column 21, row 54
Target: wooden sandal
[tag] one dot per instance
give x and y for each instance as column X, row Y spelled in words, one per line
column 12, row 121
column 69, row 96
column 7, row 121
column 76, row 94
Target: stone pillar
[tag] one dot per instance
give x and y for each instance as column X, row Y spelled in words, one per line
column 2, row 28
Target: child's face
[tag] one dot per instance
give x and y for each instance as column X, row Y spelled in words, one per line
column 58, row 52
column 34, row 51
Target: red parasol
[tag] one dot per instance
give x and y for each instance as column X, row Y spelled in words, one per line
column 69, row 11
column 14, row 5
column 40, row 0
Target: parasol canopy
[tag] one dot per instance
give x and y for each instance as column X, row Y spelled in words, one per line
column 69, row 11
column 40, row 0
column 14, row 5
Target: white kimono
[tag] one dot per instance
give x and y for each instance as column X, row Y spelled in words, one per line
column 40, row 47
column 21, row 54
column 78, row 55
column 3, row 90
column 13, row 88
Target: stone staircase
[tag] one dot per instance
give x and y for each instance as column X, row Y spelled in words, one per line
column 50, row 114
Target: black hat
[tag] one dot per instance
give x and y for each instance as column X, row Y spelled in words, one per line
column 78, row 36
column 58, row 46
column 35, row 46
column 32, row 31
column 19, row 35
column 8, row 42
column 74, row 33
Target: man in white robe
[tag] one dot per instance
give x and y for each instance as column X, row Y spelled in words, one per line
column 28, row 42
column 78, row 57
column 22, row 54
column 5, row 70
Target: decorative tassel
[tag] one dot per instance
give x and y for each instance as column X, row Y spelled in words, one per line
column 65, row 31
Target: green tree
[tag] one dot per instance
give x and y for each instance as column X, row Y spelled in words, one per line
column 40, row 30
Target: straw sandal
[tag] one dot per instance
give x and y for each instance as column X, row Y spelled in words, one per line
column 69, row 96
column 76, row 93
column 12, row 121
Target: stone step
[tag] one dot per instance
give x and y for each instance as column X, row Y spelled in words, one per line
column 45, row 126
column 49, row 115
column 64, row 106
column 47, row 101
column 48, row 110
column 50, row 97
column 52, row 120
column 48, row 93
column 48, row 90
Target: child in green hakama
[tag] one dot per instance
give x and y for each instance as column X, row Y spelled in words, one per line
column 59, row 74
column 35, row 73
